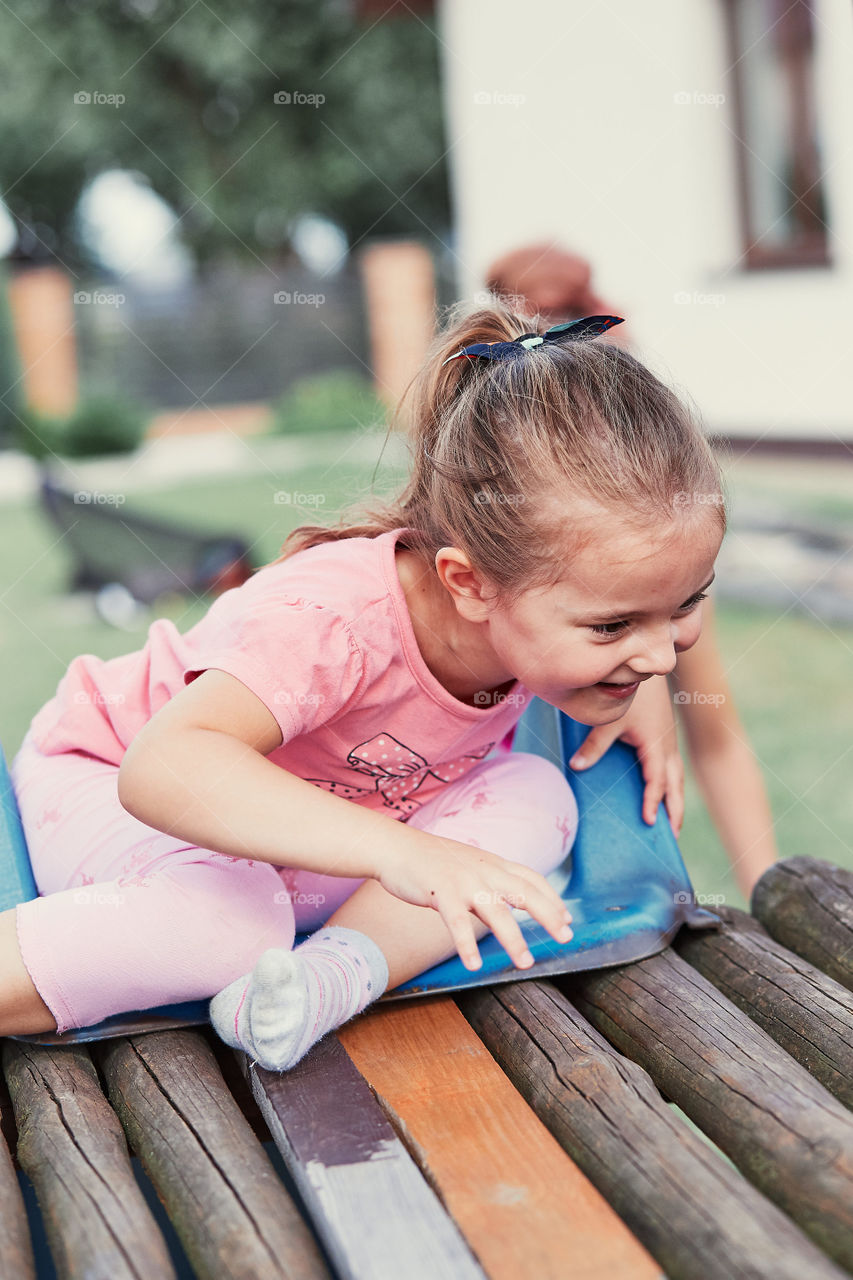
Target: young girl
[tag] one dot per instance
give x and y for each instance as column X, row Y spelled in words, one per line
column 326, row 749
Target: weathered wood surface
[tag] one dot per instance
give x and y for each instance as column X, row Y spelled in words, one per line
column 16, row 1253
column 371, row 1206
column 696, row 1214
column 522, row 1204
column 71, row 1146
column 806, row 1012
column 782, row 1129
column 230, row 1209
column 807, row 905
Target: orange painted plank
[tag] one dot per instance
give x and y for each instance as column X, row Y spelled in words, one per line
column 520, row 1201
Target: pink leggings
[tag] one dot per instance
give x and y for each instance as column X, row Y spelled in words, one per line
column 130, row 917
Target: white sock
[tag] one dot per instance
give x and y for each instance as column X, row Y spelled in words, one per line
column 293, row 998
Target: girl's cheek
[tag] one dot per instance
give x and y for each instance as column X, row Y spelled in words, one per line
column 689, row 630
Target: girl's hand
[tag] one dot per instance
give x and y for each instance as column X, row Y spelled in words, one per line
column 650, row 727
column 460, row 882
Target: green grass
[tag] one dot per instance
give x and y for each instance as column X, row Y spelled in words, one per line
column 791, row 676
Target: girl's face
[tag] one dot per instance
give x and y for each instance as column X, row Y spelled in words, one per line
column 623, row 611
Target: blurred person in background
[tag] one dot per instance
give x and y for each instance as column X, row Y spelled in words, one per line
column 559, row 286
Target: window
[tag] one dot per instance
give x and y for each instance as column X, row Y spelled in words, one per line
column 783, row 213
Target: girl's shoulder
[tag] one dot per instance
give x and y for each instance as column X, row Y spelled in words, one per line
column 346, row 576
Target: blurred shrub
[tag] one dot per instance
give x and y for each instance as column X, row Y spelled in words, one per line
column 99, row 425
column 37, row 434
column 335, row 401
column 104, row 424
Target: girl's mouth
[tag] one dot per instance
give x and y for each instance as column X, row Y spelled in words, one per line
column 617, row 690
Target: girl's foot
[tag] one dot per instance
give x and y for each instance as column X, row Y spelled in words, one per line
column 293, row 998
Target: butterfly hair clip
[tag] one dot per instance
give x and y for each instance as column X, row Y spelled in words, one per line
column 571, row 331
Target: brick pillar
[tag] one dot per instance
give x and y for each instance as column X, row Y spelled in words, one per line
column 42, row 309
column 399, row 287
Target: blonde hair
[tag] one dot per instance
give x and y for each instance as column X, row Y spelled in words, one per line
column 495, row 442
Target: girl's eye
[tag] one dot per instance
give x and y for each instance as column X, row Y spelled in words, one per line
column 608, row 628
column 616, row 628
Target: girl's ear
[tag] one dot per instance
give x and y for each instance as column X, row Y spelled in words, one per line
column 471, row 593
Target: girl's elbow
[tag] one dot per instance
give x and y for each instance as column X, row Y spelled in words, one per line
column 127, row 787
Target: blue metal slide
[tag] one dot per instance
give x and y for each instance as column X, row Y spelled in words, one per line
column 624, row 883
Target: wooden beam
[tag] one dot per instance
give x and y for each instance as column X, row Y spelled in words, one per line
column 781, row 1128
column 807, row 905
column 376, row 1215
column 16, row 1252
column 694, row 1212
column 229, row 1207
column 804, row 1011
column 71, row 1147
column 521, row 1203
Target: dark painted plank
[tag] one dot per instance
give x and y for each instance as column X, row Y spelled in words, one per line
column 230, row 1209
column 376, row 1215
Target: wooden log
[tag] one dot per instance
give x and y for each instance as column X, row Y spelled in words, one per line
column 376, row 1215
column 71, row 1147
column 521, row 1203
column 781, row 1128
column 16, row 1251
column 696, row 1214
column 807, row 905
column 229, row 1208
column 804, row 1011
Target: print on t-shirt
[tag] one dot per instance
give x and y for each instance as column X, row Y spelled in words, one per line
column 398, row 771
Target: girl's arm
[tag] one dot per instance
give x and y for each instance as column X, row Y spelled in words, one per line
column 198, row 770
column 723, row 761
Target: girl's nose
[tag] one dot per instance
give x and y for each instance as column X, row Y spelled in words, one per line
column 655, row 654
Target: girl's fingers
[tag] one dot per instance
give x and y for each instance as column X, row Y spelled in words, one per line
column 464, row 939
column 675, row 797
column 508, row 934
column 540, row 900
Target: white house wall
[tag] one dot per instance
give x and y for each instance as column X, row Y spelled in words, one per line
column 599, row 123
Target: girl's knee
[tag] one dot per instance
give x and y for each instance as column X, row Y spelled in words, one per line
column 518, row 805
column 550, row 811
column 236, row 916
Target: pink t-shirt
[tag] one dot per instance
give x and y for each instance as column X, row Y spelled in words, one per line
column 325, row 640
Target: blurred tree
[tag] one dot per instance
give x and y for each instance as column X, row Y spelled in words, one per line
column 241, row 114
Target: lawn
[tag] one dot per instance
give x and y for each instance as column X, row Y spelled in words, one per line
column 791, row 675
